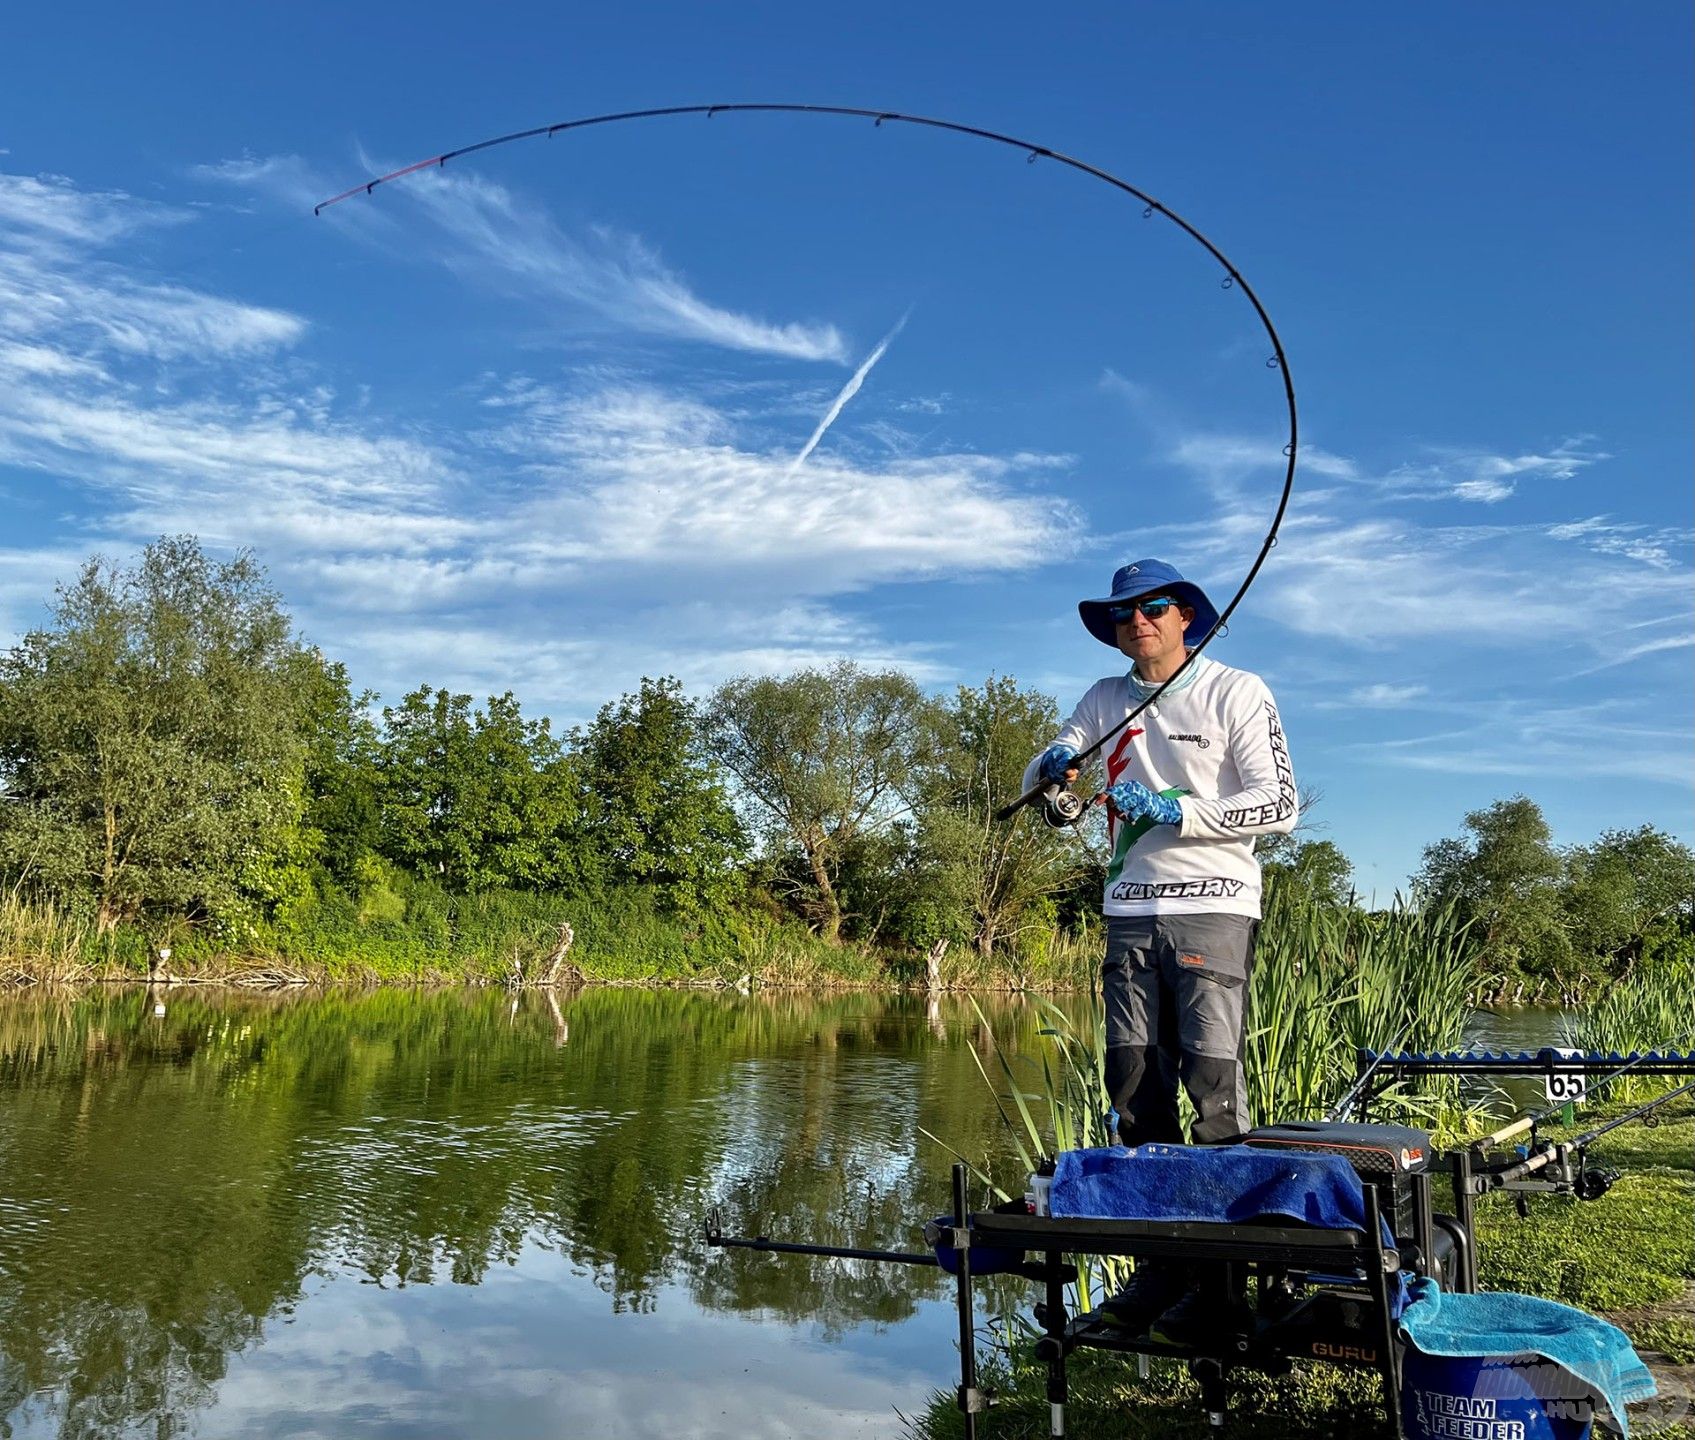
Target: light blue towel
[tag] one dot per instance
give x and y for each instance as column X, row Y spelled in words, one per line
column 1501, row 1323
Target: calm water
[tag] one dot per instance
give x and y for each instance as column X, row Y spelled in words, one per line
column 398, row 1214
column 430, row 1215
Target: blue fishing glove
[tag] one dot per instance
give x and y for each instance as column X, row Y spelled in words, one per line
column 1055, row 761
column 1136, row 802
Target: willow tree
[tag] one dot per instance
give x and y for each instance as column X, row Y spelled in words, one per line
column 149, row 747
column 1506, row 875
column 822, row 757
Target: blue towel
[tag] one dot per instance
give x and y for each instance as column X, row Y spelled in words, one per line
column 1224, row 1184
column 1220, row 1184
column 1500, row 1323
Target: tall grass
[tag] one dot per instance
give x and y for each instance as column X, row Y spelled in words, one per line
column 1329, row 981
column 1043, row 959
column 40, row 941
column 432, row 936
column 1654, row 1009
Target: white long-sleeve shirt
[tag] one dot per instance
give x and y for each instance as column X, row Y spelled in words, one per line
column 1216, row 746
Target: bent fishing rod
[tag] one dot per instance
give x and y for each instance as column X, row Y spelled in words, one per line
column 1060, row 805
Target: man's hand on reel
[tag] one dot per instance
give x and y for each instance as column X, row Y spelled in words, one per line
column 1058, row 765
column 1057, row 769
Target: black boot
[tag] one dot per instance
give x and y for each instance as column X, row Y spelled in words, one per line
column 1156, row 1286
column 1203, row 1313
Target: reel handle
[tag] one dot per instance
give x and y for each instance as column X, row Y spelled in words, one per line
column 1062, row 806
column 1040, row 793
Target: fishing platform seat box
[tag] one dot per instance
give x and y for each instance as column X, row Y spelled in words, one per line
column 1377, row 1152
column 1383, row 1156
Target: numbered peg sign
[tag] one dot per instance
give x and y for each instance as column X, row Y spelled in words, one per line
column 1565, row 1087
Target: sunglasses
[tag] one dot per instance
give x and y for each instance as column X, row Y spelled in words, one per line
column 1152, row 609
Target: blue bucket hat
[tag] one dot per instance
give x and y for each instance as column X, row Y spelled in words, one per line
column 1148, row 577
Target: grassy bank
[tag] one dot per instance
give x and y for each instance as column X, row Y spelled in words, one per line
column 421, row 934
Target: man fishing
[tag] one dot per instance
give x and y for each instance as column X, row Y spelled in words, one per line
column 1189, row 785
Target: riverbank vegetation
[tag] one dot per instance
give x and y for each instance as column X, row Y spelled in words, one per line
column 189, row 788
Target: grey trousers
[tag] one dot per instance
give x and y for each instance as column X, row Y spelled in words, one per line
column 1176, row 990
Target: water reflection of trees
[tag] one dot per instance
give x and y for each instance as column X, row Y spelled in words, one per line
column 174, row 1181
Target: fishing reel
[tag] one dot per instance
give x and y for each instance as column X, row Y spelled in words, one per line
column 1593, row 1183
column 1062, row 806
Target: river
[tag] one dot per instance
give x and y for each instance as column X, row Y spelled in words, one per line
column 459, row 1213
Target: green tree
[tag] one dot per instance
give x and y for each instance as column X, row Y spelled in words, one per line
column 1506, row 875
column 654, row 809
column 821, row 757
column 477, row 798
column 1620, row 887
column 149, row 744
column 1315, row 870
column 975, row 750
column 342, row 779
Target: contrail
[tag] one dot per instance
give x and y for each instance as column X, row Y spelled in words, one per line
column 848, row 391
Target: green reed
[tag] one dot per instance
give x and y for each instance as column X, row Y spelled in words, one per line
column 1645, row 1011
column 1651, row 1009
column 40, row 940
column 1329, row 981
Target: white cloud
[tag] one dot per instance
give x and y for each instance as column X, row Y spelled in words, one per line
column 641, row 477
column 630, row 520
column 27, row 581
column 42, row 360
column 1351, row 568
column 1383, row 696
column 1383, row 580
column 61, row 304
column 1647, row 647
column 1486, row 478
column 1520, row 737
column 1222, row 457
column 94, row 363
column 493, row 238
column 213, row 463
column 52, row 209
column 1438, row 473
column 1650, row 545
column 591, row 531
column 286, row 177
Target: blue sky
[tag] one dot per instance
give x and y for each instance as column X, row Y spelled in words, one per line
column 538, row 421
